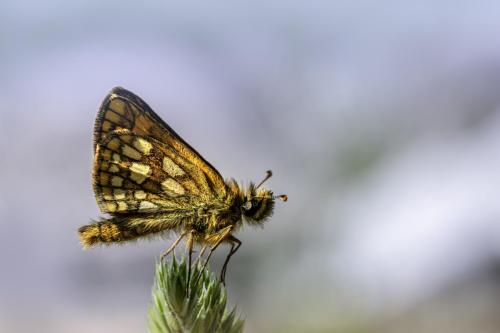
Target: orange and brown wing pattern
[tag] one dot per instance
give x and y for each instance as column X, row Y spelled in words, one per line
column 123, row 110
column 134, row 173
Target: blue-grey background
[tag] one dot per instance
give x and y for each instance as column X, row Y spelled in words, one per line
column 380, row 120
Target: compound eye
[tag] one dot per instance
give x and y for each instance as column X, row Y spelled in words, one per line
column 247, row 205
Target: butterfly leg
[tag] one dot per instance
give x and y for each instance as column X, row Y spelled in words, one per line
column 172, row 247
column 219, row 237
column 189, row 245
column 233, row 250
column 202, row 252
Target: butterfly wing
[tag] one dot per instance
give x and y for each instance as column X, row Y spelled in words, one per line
column 142, row 165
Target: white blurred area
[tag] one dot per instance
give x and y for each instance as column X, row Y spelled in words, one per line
column 380, row 120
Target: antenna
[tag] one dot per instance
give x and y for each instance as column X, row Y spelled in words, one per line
column 269, row 174
column 282, row 197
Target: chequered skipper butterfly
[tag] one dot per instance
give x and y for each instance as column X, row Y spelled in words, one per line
column 150, row 181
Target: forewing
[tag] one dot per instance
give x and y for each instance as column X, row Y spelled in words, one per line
column 123, row 110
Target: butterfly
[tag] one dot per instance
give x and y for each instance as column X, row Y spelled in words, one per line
column 150, row 182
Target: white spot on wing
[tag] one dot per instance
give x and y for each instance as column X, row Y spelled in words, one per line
column 111, row 206
column 171, row 168
column 108, row 197
column 143, row 145
column 171, row 185
column 147, row 205
column 122, row 205
column 140, row 168
column 114, row 168
column 139, row 172
column 119, row 194
column 113, row 144
column 131, row 152
column 117, row 181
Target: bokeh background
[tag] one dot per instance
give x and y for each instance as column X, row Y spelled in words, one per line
column 380, row 120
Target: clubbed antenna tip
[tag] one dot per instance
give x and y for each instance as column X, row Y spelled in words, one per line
column 282, row 197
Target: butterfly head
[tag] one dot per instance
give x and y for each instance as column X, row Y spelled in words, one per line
column 258, row 203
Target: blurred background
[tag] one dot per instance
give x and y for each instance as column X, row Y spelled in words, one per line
column 380, row 120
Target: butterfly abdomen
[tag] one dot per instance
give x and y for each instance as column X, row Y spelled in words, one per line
column 126, row 228
column 104, row 232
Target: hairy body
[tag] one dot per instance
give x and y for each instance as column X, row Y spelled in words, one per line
column 204, row 221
